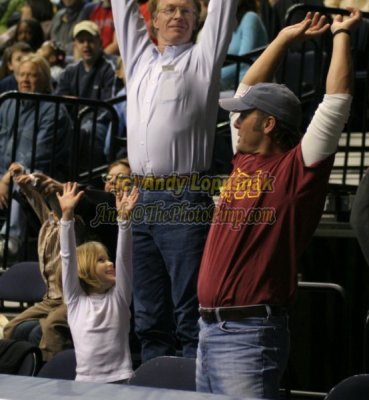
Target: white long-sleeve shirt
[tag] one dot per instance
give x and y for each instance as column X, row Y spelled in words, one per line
column 172, row 97
column 99, row 322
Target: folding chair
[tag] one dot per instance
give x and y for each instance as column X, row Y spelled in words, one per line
column 61, row 366
column 167, row 372
column 21, row 283
column 355, row 387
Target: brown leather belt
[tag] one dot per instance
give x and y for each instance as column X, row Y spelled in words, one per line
column 220, row 314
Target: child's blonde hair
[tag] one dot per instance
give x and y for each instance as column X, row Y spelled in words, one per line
column 87, row 257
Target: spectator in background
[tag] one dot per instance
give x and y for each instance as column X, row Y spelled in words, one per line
column 31, row 32
column 10, row 63
column 4, row 64
column 42, row 10
column 121, row 109
column 145, row 12
column 202, row 17
column 249, row 34
column 117, row 176
column 52, row 143
column 55, row 56
column 11, row 14
column 102, row 15
column 45, row 323
column 3, row 7
column 362, row 5
column 63, row 22
column 93, row 77
column 96, row 204
column 33, row 76
column 204, row 11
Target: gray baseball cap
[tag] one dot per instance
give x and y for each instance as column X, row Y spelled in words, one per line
column 272, row 98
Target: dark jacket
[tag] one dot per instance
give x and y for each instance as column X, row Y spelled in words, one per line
column 97, row 83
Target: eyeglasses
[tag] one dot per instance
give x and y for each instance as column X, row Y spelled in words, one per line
column 170, row 11
column 107, row 178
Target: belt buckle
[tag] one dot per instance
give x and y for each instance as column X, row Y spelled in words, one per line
column 217, row 314
column 208, row 315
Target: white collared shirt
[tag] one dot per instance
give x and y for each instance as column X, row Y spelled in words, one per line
column 172, row 97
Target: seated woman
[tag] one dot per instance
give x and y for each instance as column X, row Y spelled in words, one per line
column 45, row 324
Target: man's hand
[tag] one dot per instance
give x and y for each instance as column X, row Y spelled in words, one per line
column 312, row 25
column 350, row 23
column 69, row 199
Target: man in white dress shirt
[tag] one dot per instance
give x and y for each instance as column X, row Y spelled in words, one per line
column 172, row 94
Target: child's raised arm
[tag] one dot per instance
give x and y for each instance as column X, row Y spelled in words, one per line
column 125, row 202
column 69, row 199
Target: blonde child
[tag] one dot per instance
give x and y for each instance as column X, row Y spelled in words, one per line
column 97, row 295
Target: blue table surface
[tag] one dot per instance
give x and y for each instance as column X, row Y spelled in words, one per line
column 13, row 387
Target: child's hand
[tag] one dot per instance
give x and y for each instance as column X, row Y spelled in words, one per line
column 69, row 199
column 125, row 202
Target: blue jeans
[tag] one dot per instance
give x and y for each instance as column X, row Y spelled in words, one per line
column 245, row 358
column 29, row 331
column 17, row 226
column 167, row 250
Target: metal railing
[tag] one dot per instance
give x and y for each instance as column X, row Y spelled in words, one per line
column 80, row 110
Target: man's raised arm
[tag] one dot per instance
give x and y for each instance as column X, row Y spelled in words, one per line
column 340, row 73
column 131, row 32
column 323, row 134
column 263, row 69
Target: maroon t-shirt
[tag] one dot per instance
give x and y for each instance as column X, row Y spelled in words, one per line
column 266, row 215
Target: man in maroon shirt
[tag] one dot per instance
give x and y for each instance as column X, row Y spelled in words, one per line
column 267, row 213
